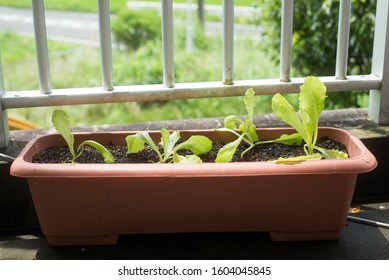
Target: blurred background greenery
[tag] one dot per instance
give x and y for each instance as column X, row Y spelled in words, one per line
column 138, row 59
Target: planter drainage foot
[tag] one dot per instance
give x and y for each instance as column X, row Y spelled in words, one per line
column 304, row 236
column 82, row 240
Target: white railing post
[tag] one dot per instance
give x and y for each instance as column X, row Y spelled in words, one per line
column 379, row 99
column 105, row 45
column 286, row 40
column 228, row 42
column 167, row 43
column 343, row 39
column 4, row 130
column 38, row 12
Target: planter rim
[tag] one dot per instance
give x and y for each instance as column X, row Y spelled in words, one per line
column 363, row 162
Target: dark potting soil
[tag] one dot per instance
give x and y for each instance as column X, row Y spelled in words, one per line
column 264, row 152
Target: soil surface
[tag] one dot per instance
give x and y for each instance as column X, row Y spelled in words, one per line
column 264, row 152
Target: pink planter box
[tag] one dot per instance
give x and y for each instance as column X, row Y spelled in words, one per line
column 86, row 204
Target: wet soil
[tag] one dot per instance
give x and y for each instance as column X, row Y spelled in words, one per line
column 264, row 152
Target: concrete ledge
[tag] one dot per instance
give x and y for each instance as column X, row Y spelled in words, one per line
column 16, row 207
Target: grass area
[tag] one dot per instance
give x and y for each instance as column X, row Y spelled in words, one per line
column 75, row 66
column 91, row 5
column 15, row 48
column 68, row 5
column 18, row 56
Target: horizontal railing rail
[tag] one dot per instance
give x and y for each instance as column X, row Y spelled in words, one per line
column 109, row 92
column 158, row 92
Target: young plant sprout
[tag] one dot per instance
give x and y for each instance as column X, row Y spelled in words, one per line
column 61, row 122
column 197, row 144
column 245, row 130
column 311, row 103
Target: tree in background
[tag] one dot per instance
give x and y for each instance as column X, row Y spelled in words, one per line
column 132, row 29
column 315, row 27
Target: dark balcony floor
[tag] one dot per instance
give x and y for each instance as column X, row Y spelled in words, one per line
column 358, row 242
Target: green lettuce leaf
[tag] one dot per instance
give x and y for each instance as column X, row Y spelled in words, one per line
column 231, row 122
column 197, row 144
column 226, row 153
column 107, row 156
column 186, row 159
column 312, row 96
column 61, row 123
column 331, row 154
column 299, row 159
column 282, row 108
column 249, row 103
column 134, row 144
column 289, row 139
column 168, row 141
column 311, row 103
column 250, row 131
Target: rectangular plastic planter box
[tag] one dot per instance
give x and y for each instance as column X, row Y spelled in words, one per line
column 86, row 204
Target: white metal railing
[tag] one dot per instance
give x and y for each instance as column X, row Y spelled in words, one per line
column 108, row 92
column 105, row 45
column 379, row 98
column 343, row 39
column 167, row 43
column 41, row 46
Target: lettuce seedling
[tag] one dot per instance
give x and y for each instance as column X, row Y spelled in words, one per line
column 61, row 122
column 197, row 144
column 245, row 130
column 311, row 103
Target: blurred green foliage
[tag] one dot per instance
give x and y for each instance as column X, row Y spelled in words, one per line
column 315, row 27
column 211, row 2
column 133, row 29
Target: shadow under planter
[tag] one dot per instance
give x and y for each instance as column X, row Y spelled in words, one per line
column 87, row 204
column 17, row 210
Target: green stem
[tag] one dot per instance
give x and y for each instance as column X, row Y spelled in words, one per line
column 248, row 149
column 237, row 135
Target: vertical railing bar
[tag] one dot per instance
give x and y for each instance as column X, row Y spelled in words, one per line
column 105, row 45
column 4, row 129
column 38, row 12
column 379, row 99
column 286, row 40
column 1, row 77
column 343, row 39
column 228, row 42
column 167, row 43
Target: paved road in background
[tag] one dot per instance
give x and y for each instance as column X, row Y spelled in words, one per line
column 82, row 28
